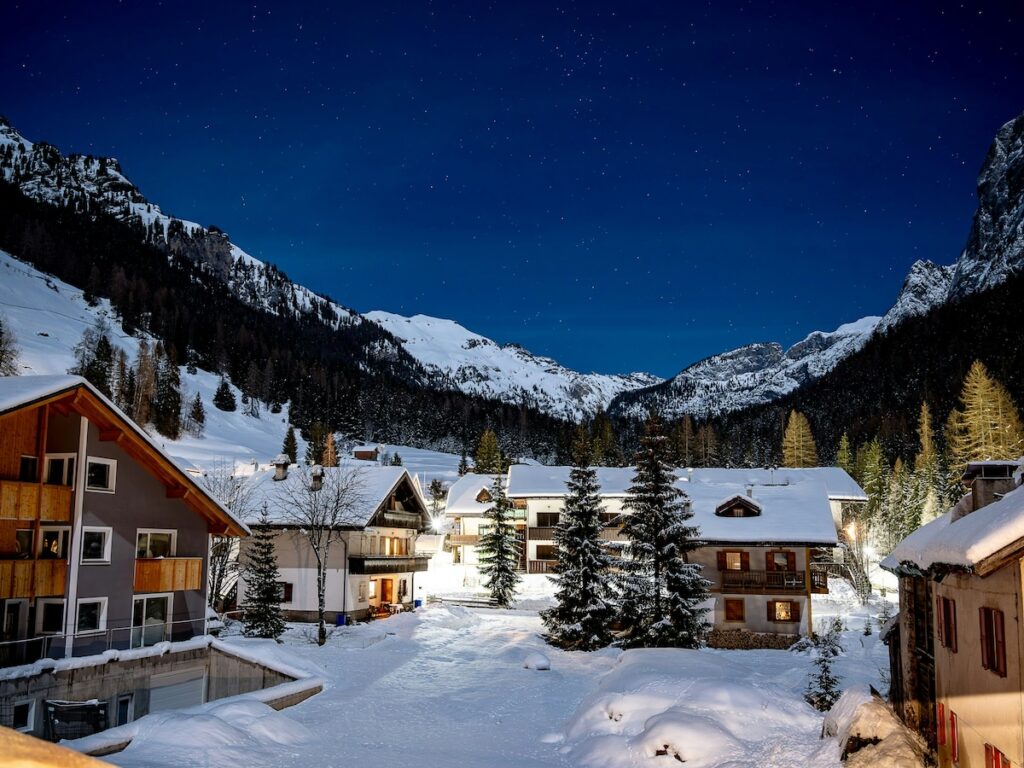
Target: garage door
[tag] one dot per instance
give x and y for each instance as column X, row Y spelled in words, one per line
column 177, row 690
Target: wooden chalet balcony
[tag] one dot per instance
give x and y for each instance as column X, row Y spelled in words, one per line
column 168, row 574
column 32, row 578
column 612, row 534
column 395, row 518
column 372, row 565
column 463, row 539
column 819, row 581
column 764, row 581
column 35, row 501
column 542, row 566
column 542, row 533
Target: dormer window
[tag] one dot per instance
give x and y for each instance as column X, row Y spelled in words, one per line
column 738, row 506
column 484, row 497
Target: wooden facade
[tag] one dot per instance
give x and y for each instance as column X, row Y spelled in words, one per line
column 168, row 574
column 32, row 578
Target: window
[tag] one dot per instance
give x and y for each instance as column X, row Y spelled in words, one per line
column 734, row 610
column 784, row 611
column 28, row 470
column 995, row 759
column 546, row 552
column 23, row 542
column 373, row 589
column 945, row 622
column 155, row 543
column 92, row 615
column 24, row 715
column 53, row 543
column 940, row 724
column 96, row 545
column 285, row 591
column 954, row 738
column 403, row 587
column 993, row 641
column 547, row 519
column 50, row 617
column 780, row 561
column 60, row 469
column 734, row 561
column 100, row 475
column 151, row 616
column 124, row 709
column 362, row 592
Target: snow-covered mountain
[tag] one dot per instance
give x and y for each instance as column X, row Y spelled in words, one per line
column 750, row 375
column 926, row 287
column 475, row 364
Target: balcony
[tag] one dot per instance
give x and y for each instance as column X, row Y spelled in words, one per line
column 35, row 501
column 612, row 534
column 394, row 518
column 542, row 533
column 463, row 539
column 168, row 574
column 542, row 566
column 819, row 581
column 32, row 578
column 372, row 565
column 764, row 581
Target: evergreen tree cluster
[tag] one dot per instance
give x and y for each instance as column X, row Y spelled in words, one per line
column 499, row 551
column 262, row 616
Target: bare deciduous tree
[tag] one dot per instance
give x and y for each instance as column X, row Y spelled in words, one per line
column 236, row 496
column 320, row 504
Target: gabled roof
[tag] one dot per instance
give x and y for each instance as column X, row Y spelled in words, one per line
column 75, row 394
column 376, row 484
column 740, row 499
column 464, row 494
column 981, row 541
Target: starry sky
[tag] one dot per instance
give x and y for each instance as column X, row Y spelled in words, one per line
column 622, row 186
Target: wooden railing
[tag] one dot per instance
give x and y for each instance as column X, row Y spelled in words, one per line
column 168, row 574
column 542, row 566
column 370, row 565
column 819, row 581
column 764, row 581
column 542, row 533
column 35, row 501
column 32, row 578
column 612, row 534
column 463, row 539
column 395, row 518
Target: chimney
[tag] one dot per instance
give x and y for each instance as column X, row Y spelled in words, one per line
column 281, row 463
column 750, row 491
column 316, row 478
column 989, row 481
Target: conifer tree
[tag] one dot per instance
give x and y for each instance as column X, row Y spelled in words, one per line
column 145, row 384
column 987, row 425
column 927, row 465
column 94, row 356
column 683, row 442
column 316, row 444
column 290, row 446
column 330, row 451
column 463, row 463
column 581, row 617
column 119, row 380
column 823, row 685
column 498, row 549
column 396, row 460
column 707, row 453
column 8, row 350
column 661, row 593
column 167, row 403
column 262, row 617
column 197, row 416
column 798, row 448
column 224, row 398
column 844, row 456
column 437, row 494
column 488, row 455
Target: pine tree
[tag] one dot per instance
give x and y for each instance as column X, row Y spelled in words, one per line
column 683, row 442
column 8, row 350
column 927, row 464
column 330, row 451
column 316, row 443
column 844, row 456
column 584, row 595
column 94, row 356
column 488, row 455
column 823, row 685
column 167, row 404
column 498, row 549
column 290, row 446
column 987, row 425
column 396, row 460
column 145, row 384
column 463, row 463
column 197, row 416
column 798, row 448
column 661, row 593
column 707, row 453
column 262, row 617
column 224, row 398
column 437, row 494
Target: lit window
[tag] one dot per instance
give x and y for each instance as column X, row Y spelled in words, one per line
column 96, row 545
column 100, row 475
column 373, row 590
column 53, row 543
column 733, row 561
column 783, row 610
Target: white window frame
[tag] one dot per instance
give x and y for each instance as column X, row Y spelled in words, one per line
column 103, row 616
column 167, row 624
column 31, row 714
column 64, row 529
column 40, row 602
column 106, row 546
column 112, row 463
column 117, row 705
column 174, row 539
column 68, row 481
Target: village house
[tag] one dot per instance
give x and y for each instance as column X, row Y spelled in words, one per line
column 766, row 533
column 372, row 563
column 104, row 543
column 955, row 647
column 469, row 498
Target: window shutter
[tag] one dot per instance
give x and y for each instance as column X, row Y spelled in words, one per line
column 791, row 560
column 721, row 561
column 986, row 656
column 745, row 561
column 771, row 610
column 794, row 608
column 952, row 624
column 940, row 724
column 940, row 619
column 989, row 756
column 769, row 561
column 1000, row 644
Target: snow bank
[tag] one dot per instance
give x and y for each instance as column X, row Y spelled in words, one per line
column 537, row 661
column 869, row 734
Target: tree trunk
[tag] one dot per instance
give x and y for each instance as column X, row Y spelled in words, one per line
column 321, row 634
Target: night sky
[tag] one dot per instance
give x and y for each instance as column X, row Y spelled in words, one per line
column 623, row 187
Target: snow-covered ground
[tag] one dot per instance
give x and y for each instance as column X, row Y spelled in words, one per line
column 450, row 686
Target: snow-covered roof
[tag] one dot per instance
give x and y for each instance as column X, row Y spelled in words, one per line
column 794, row 509
column 462, row 496
column 967, row 541
column 22, row 391
column 375, row 485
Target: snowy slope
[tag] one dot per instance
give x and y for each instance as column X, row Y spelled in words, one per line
column 475, row 364
column 750, row 375
column 926, row 287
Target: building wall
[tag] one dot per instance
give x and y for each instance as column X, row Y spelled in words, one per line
column 989, row 708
